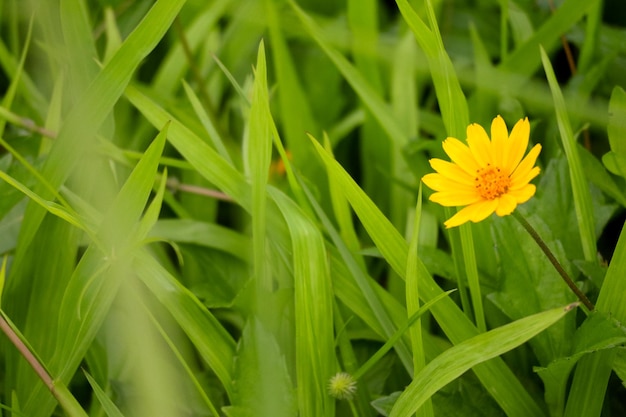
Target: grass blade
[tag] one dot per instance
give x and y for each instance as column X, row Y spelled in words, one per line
column 460, row 358
column 580, row 188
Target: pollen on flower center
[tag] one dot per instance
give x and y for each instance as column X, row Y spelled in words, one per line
column 491, row 183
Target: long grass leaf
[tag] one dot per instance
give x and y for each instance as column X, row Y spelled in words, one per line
column 412, row 300
column 460, row 358
column 259, row 154
column 580, row 187
column 315, row 357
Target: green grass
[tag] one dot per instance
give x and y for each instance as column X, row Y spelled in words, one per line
column 212, row 208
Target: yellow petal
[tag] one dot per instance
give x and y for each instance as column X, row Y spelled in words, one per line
column 517, row 144
column 475, row 213
column 499, row 138
column 523, row 194
column 506, row 205
column 479, row 144
column 455, row 198
column 527, row 164
column 460, row 154
column 450, row 170
column 440, row 183
column 518, row 182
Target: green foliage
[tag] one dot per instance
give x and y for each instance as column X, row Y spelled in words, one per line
column 212, row 208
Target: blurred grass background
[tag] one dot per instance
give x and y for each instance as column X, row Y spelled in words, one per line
column 212, row 207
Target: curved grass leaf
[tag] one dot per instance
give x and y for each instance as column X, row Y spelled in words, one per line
column 460, row 358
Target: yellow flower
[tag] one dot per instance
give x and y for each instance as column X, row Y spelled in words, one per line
column 485, row 175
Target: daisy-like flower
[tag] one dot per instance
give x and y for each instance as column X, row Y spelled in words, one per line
column 486, row 175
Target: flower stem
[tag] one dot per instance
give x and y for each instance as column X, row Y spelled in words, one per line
column 533, row 233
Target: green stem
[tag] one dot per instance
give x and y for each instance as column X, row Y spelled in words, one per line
column 533, row 233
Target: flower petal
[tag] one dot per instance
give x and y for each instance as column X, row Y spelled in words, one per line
column 479, row 144
column 440, row 183
column 455, row 198
column 452, row 171
column 506, row 205
column 517, row 144
column 461, row 155
column 527, row 164
column 499, row 138
column 475, row 213
column 518, row 182
column 523, row 194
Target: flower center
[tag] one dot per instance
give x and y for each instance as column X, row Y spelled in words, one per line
column 491, row 183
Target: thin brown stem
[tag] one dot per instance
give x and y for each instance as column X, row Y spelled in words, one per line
column 26, row 353
column 546, row 250
column 25, row 123
column 176, row 185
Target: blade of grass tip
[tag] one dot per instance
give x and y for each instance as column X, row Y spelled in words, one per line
column 593, row 371
column 208, row 124
column 259, row 159
column 457, row 360
column 496, row 377
column 580, row 188
column 153, row 211
column 315, row 350
column 108, row 406
column 412, row 300
column 232, row 79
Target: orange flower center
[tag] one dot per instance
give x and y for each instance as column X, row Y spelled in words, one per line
column 491, row 183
